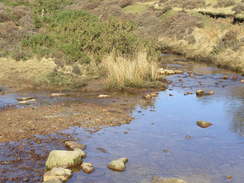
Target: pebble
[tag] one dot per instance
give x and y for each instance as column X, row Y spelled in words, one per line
column 204, row 124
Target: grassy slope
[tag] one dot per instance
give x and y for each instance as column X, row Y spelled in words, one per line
column 199, row 29
column 211, row 38
column 77, row 41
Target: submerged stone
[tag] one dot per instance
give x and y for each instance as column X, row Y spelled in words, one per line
column 201, row 93
column 74, row 145
column 167, row 180
column 53, row 181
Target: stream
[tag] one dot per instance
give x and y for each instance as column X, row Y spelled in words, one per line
column 162, row 140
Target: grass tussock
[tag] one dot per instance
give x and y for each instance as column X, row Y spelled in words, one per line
column 123, row 73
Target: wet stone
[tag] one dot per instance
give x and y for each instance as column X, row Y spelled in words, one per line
column 118, row 165
column 53, row 181
column 204, row 124
column 74, row 145
column 87, row 167
column 188, row 93
column 201, row 93
column 57, row 173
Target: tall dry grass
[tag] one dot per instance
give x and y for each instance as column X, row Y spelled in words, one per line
column 122, row 73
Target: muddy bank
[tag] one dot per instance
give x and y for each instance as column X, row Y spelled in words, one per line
column 51, row 114
column 22, row 123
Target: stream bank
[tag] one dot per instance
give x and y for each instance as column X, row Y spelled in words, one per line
column 161, row 140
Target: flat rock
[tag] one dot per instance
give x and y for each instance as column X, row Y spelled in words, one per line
column 24, row 98
column 167, row 180
column 204, row 124
column 118, row 165
column 74, row 145
column 103, row 96
column 57, row 174
column 87, row 167
column 58, row 94
column 64, row 159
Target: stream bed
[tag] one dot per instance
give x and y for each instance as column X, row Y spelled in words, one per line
column 162, row 140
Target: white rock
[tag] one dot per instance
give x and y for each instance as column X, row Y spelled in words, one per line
column 64, row 159
column 57, row 174
column 118, row 165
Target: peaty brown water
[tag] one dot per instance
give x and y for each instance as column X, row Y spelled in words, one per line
column 162, row 140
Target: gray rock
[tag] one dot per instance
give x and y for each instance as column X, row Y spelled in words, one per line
column 118, row 165
column 57, row 174
column 64, row 159
column 167, row 180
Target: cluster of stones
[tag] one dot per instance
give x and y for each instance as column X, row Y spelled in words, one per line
column 59, row 163
column 163, row 71
column 150, row 95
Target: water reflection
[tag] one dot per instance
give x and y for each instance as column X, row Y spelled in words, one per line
column 163, row 140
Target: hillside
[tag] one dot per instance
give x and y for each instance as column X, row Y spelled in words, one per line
column 78, row 35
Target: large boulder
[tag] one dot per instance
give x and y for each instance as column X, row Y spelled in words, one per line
column 64, row 159
column 167, row 180
column 118, row 165
column 57, row 174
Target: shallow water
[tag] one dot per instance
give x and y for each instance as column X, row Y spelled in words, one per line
column 163, row 140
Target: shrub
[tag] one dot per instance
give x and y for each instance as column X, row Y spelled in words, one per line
column 77, row 35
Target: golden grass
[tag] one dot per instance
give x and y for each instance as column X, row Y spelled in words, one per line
column 23, row 73
column 122, row 72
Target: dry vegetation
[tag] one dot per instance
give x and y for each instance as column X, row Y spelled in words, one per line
column 122, row 72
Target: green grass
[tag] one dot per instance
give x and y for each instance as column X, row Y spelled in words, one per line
column 15, row 2
column 136, row 8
